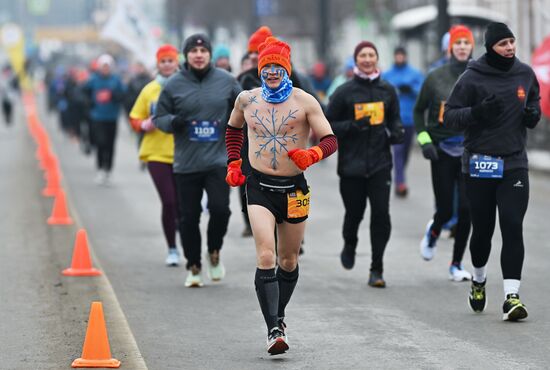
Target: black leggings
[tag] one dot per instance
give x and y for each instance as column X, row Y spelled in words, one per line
column 510, row 195
column 354, row 192
column 104, row 135
column 446, row 177
column 189, row 189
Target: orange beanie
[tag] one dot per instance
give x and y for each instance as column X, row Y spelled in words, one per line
column 257, row 38
column 274, row 51
column 460, row 31
column 167, row 51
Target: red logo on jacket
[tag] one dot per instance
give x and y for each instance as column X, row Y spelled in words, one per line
column 521, row 93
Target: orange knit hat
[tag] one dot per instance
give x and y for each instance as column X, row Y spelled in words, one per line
column 275, row 51
column 257, row 38
column 167, row 51
column 460, row 31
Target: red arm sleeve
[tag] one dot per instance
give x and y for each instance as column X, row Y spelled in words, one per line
column 233, row 141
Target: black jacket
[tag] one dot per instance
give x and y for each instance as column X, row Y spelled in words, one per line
column 364, row 149
column 503, row 135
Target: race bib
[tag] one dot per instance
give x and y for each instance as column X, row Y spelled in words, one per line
column 152, row 109
column 103, row 96
column 373, row 110
column 204, row 131
column 441, row 112
column 298, row 204
column 486, row 167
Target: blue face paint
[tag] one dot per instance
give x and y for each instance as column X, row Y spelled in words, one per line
column 282, row 92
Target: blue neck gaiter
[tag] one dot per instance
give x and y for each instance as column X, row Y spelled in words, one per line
column 280, row 94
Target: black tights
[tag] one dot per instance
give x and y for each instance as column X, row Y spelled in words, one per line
column 446, row 178
column 510, row 195
column 354, row 192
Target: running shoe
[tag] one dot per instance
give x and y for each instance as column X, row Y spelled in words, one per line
column 477, row 298
column 194, row 279
column 513, row 309
column 215, row 270
column 376, row 280
column 347, row 257
column 101, row 177
column 428, row 243
column 457, row 273
column 276, row 341
column 173, row 258
column 401, row 190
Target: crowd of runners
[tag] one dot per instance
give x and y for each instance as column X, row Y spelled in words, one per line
column 202, row 130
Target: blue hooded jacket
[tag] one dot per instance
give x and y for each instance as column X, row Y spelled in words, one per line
column 408, row 81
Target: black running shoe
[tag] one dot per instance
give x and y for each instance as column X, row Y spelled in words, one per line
column 376, row 280
column 513, row 309
column 477, row 298
column 276, row 342
column 347, row 257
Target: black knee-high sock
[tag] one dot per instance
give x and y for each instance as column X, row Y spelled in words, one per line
column 287, row 282
column 267, row 291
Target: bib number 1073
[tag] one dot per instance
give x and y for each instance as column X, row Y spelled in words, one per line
column 487, row 167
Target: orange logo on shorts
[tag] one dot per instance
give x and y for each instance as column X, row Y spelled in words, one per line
column 521, row 93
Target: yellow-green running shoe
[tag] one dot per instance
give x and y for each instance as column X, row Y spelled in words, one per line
column 513, row 309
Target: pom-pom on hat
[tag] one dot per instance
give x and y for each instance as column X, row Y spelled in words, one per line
column 460, row 31
column 257, row 38
column 167, row 51
column 274, row 51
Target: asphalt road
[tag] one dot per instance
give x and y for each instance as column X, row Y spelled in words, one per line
column 421, row 320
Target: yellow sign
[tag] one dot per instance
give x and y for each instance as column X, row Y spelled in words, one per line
column 373, row 110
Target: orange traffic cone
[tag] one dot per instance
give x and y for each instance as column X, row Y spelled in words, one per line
column 60, row 214
column 81, row 264
column 53, row 183
column 96, row 351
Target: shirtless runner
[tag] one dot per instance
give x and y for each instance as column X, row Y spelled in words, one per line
column 279, row 118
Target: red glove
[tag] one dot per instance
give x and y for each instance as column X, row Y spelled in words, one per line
column 304, row 158
column 235, row 176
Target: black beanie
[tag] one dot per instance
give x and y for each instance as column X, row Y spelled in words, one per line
column 198, row 39
column 495, row 32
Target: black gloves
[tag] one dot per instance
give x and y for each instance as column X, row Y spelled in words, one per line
column 531, row 116
column 429, row 151
column 405, row 89
column 362, row 124
column 397, row 136
column 178, row 123
column 488, row 109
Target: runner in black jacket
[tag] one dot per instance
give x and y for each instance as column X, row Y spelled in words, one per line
column 443, row 147
column 364, row 115
column 495, row 100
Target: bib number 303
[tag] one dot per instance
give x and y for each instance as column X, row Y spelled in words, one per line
column 486, row 167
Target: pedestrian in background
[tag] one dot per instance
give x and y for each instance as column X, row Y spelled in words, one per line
column 495, row 101
column 194, row 105
column 407, row 81
column 106, row 93
column 157, row 147
column 443, row 147
column 364, row 114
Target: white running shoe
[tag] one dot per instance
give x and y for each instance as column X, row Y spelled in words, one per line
column 100, row 177
column 215, row 269
column 428, row 243
column 457, row 273
column 173, row 258
column 276, row 341
column 194, row 279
